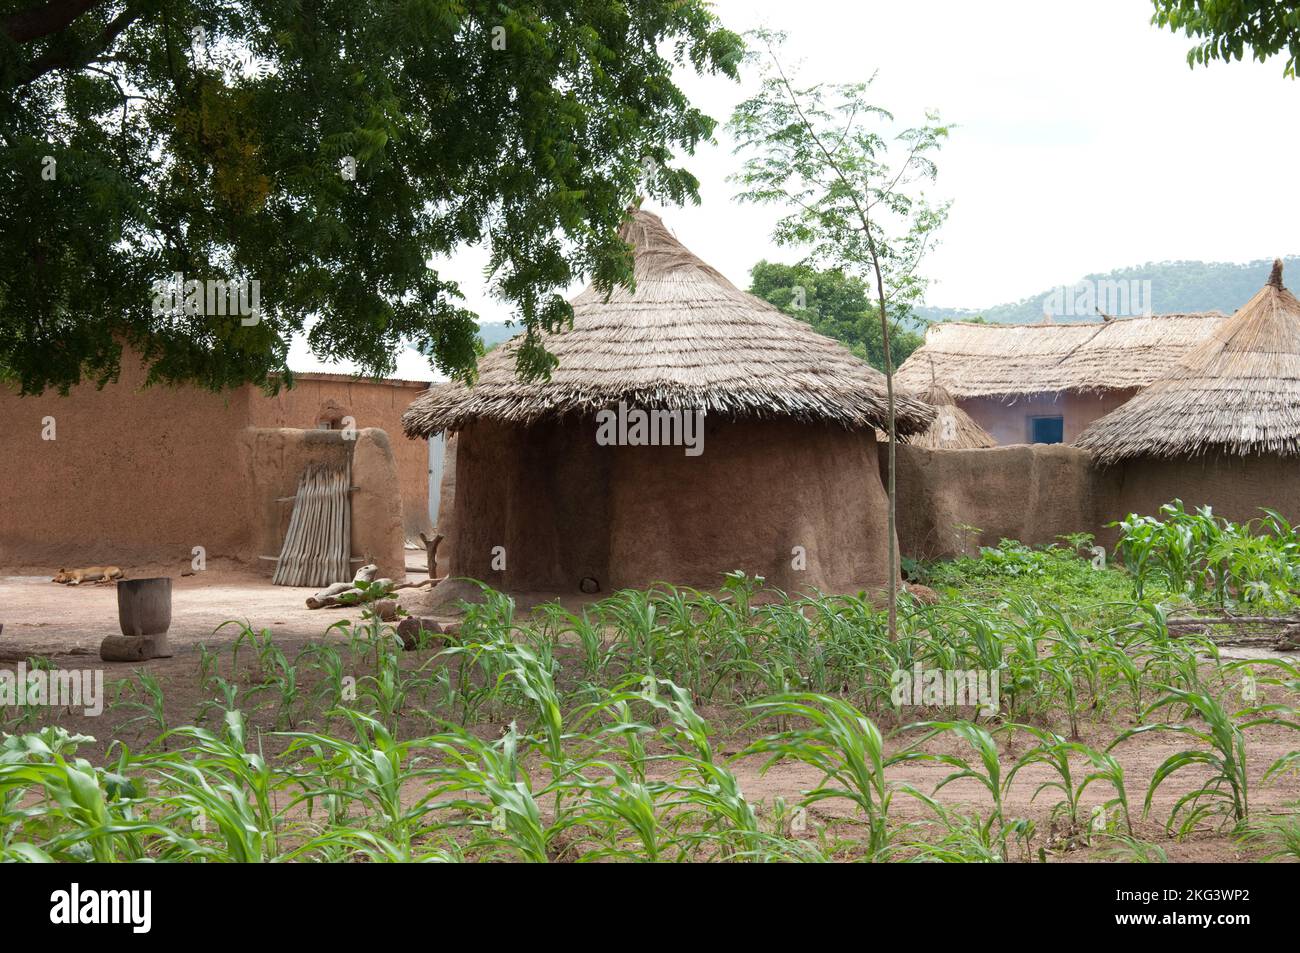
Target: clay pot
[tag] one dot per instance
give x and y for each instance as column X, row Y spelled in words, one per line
column 144, row 611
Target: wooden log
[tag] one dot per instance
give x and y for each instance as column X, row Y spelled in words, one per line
column 431, row 551
column 124, row 648
column 1235, row 620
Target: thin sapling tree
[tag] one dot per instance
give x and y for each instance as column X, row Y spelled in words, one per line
column 851, row 183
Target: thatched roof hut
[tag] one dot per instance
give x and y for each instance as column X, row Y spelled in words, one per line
column 1237, row 393
column 788, row 467
column 1020, row 382
column 1008, row 360
column 684, row 338
column 953, row 428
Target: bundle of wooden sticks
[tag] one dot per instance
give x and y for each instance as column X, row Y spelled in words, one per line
column 317, row 546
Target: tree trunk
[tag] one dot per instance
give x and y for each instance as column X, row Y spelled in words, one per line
column 893, row 439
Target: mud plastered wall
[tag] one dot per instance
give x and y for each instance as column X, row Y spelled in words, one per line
column 953, row 501
column 557, row 508
column 276, row 459
column 139, row 476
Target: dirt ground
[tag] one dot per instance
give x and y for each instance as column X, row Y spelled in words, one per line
column 834, row 824
column 67, row 623
column 41, row 617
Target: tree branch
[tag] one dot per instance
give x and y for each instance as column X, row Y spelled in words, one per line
column 52, row 59
column 40, row 21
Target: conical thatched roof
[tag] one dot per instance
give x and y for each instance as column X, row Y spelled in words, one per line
column 686, row 338
column 953, row 428
column 1237, row 393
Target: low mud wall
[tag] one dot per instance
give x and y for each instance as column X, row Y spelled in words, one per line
column 954, row 501
column 1234, row 487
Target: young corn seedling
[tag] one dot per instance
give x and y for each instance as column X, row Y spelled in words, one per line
column 1278, row 836
column 152, row 707
column 228, row 757
column 844, row 745
column 343, row 844
column 384, row 694
column 626, row 819
column 210, row 818
column 82, row 813
column 281, row 678
column 337, row 688
column 979, row 740
column 208, row 662
column 1128, row 849
column 371, row 771
column 503, row 807
column 1054, row 753
column 966, row 839
column 246, row 634
column 1226, row 792
column 228, row 700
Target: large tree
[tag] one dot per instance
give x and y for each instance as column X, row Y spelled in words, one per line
column 326, row 149
column 1224, row 29
column 837, row 305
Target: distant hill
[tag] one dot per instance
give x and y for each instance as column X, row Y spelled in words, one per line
column 493, row 333
column 1176, row 286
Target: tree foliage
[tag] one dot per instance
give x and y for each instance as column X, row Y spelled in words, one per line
column 327, row 149
column 1226, row 28
column 835, row 304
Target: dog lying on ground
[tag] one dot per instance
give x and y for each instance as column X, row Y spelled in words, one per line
column 75, row 577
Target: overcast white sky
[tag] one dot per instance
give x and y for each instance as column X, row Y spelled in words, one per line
column 1085, row 142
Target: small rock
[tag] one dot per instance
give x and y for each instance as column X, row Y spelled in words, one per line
column 409, row 631
column 589, row 585
column 922, row 594
column 386, row 609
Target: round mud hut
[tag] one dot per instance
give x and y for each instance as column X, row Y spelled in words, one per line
column 689, row 430
column 1222, row 426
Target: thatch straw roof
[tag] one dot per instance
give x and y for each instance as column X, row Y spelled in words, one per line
column 1237, row 393
column 684, row 339
column 1011, row 360
column 953, row 428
